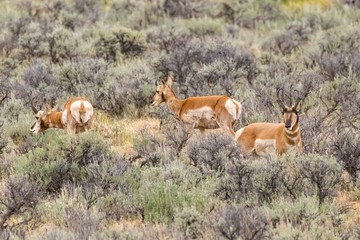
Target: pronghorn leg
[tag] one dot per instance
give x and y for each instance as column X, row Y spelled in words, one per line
column 246, row 149
column 88, row 125
column 246, row 146
column 299, row 148
column 264, row 151
column 70, row 126
column 227, row 128
column 225, row 122
column 70, row 129
column 190, row 129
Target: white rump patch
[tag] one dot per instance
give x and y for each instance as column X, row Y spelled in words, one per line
column 238, row 114
column 64, row 118
column 231, row 108
column 238, row 133
column 75, row 107
column 89, row 112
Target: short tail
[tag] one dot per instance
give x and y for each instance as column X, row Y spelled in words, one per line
column 238, row 109
column 82, row 112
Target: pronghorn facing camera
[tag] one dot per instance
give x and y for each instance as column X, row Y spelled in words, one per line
column 267, row 138
column 205, row 112
column 77, row 116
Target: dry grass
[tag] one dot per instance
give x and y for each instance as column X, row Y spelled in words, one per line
column 353, row 216
column 140, row 229
column 125, row 224
column 299, row 5
column 121, row 131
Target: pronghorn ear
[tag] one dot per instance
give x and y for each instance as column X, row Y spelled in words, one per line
column 279, row 100
column 298, row 105
column 47, row 108
column 169, row 81
column 54, row 109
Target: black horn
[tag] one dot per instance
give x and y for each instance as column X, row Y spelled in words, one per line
column 298, row 100
column 280, row 102
column 32, row 105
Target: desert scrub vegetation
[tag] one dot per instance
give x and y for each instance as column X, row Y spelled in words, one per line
column 137, row 174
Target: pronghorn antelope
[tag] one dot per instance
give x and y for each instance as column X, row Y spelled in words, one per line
column 205, row 112
column 264, row 138
column 77, row 116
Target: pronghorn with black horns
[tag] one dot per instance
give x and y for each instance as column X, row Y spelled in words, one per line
column 205, row 112
column 264, row 138
column 77, row 116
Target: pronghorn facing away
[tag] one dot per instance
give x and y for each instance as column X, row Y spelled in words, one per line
column 77, row 116
column 267, row 138
column 206, row 112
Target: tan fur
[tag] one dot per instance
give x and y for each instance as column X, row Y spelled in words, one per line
column 283, row 138
column 205, row 112
column 72, row 118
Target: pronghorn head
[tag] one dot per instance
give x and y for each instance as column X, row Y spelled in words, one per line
column 290, row 114
column 43, row 120
column 163, row 92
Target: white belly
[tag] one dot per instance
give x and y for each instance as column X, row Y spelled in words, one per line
column 264, row 147
column 201, row 118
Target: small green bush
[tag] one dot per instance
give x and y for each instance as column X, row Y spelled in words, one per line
column 303, row 219
column 70, row 211
column 346, row 148
column 61, row 45
column 122, row 42
column 252, row 181
column 252, row 14
column 265, row 180
column 294, row 36
column 176, row 136
column 83, row 76
column 237, row 222
column 147, row 147
column 338, row 53
column 190, row 222
column 37, row 85
column 205, row 26
column 212, row 152
column 61, row 159
column 323, row 172
column 203, row 66
column 19, row 198
column 33, row 43
column 160, row 200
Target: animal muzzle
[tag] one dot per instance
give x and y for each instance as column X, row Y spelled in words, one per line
column 288, row 125
column 32, row 129
column 154, row 103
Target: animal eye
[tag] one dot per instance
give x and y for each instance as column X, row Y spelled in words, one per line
column 37, row 118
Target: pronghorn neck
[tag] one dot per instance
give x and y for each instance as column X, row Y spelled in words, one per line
column 293, row 135
column 169, row 94
column 173, row 102
column 175, row 105
column 53, row 120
